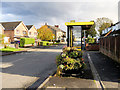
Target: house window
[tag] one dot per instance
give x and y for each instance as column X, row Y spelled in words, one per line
column 17, row 31
column 29, row 33
column 24, row 32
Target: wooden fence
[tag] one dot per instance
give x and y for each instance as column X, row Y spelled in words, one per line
column 110, row 46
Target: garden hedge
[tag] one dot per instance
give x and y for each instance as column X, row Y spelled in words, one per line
column 26, row 41
column 44, row 43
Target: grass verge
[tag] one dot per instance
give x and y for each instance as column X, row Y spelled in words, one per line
column 10, row 49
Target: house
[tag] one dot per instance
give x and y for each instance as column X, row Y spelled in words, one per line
column 15, row 30
column 59, row 34
column 1, row 29
column 32, row 31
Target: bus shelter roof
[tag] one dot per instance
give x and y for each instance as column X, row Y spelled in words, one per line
column 84, row 25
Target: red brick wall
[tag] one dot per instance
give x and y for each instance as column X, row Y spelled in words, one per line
column 9, row 33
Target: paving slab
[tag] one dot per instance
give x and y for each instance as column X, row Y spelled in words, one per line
column 70, row 82
column 16, row 81
column 85, row 80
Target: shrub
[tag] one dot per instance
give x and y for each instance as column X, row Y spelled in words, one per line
column 70, row 59
column 90, row 40
column 25, row 41
column 44, row 43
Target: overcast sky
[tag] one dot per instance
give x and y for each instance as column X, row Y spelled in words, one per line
column 53, row 13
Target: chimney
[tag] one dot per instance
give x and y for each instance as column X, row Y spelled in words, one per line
column 57, row 26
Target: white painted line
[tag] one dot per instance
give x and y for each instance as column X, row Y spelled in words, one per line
column 95, row 74
column 17, row 60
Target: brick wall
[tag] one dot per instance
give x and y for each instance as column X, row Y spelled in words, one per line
column 9, row 33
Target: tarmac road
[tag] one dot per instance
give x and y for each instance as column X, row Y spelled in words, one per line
column 29, row 68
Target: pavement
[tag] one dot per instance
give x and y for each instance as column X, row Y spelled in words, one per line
column 107, row 70
column 86, row 80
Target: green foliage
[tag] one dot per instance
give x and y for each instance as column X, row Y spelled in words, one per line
column 90, row 40
column 103, row 27
column 25, row 41
column 92, row 32
column 73, row 54
column 103, row 23
column 70, row 59
column 70, row 64
column 44, row 43
column 44, row 33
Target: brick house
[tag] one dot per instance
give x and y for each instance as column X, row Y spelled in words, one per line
column 15, row 30
column 59, row 34
column 32, row 31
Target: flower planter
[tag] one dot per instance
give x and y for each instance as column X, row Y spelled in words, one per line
column 70, row 62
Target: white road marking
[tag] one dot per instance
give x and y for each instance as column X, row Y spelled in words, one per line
column 95, row 74
column 17, row 60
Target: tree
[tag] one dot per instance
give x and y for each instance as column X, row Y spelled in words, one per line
column 92, row 32
column 102, row 24
column 44, row 33
column 103, row 27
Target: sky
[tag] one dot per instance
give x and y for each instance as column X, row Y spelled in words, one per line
column 55, row 12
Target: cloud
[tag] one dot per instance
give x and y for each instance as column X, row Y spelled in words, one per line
column 38, row 13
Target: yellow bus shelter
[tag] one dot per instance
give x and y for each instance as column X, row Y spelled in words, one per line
column 74, row 32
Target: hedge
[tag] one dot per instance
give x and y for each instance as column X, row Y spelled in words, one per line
column 26, row 41
column 44, row 43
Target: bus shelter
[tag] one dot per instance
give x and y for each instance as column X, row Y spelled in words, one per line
column 76, row 33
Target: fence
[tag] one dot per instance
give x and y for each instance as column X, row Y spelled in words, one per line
column 110, row 46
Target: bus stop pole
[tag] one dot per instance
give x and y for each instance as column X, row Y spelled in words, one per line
column 68, row 36
column 84, row 39
column 81, row 37
column 71, row 37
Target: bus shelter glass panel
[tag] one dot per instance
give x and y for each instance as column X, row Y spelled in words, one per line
column 76, row 35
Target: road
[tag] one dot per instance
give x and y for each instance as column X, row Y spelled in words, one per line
column 29, row 68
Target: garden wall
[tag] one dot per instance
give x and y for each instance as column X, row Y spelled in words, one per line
column 94, row 47
column 110, row 46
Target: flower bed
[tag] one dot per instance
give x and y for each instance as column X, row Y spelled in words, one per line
column 70, row 61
